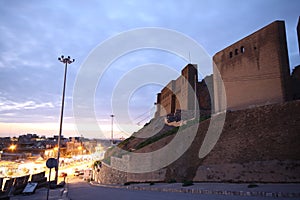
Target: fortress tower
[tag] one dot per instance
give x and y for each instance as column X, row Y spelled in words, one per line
column 178, row 94
column 255, row 70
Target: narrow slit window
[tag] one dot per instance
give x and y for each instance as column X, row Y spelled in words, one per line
column 242, row 49
column 236, row 51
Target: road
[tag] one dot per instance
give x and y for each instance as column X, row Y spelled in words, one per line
column 80, row 190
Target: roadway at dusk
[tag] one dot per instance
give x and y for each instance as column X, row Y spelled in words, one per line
column 81, row 190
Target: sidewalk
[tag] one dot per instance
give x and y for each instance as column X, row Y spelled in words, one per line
column 263, row 190
column 54, row 194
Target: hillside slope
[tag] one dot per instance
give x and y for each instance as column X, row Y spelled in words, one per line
column 253, row 145
column 260, row 144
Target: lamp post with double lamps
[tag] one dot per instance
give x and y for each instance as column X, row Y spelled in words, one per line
column 66, row 61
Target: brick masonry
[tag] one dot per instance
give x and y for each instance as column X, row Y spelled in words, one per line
column 257, row 171
column 108, row 175
column 256, row 145
column 255, row 70
column 259, row 144
column 180, row 94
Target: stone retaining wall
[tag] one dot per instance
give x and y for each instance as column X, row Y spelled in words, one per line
column 108, row 175
column 258, row 171
column 157, row 176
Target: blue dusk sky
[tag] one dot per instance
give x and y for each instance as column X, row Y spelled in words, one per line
column 34, row 33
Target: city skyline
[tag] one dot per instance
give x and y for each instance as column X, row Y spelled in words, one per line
column 34, row 34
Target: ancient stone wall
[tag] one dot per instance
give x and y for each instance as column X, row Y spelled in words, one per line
column 157, row 176
column 255, row 70
column 263, row 133
column 260, row 144
column 190, row 80
column 179, row 93
column 167, row 99
column 296, row 82
column 205, row 95
column 108, row 175
column 257, row 171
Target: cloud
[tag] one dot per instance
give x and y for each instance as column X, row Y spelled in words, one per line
column 34, row 34
column 7, row 105
column 28, row 111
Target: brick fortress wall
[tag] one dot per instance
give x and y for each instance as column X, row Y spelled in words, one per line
column 255, row 70
column 260, row 144
column 180, row 94
column 256, row 145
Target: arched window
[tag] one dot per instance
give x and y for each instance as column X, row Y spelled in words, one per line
column 230, row 54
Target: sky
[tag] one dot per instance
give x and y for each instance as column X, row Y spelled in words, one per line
column 33, row 34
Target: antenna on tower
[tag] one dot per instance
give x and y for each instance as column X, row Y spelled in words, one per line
column 190, row 57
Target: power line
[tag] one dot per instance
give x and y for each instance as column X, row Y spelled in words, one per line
column 150, row 113
column 141, row 115
column 144, row 119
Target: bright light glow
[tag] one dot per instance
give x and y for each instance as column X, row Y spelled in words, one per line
column 12, row 147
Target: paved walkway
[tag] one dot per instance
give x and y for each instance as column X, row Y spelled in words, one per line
column 41, row 194
column 263, row 190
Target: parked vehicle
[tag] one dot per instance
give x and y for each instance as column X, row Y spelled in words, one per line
column 78, row 172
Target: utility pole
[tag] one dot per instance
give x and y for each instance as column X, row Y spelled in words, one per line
column 112, row 129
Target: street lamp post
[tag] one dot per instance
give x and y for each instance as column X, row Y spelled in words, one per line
column 112, row 129
column 66, row 61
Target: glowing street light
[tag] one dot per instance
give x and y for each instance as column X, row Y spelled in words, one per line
column 66, row 61
column 80, row 149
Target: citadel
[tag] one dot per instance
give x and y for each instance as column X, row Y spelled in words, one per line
column 252, row 72
column 252, row 84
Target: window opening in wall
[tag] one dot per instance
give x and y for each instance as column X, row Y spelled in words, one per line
column 230, row 54
column 236, row 52
column 242, row 49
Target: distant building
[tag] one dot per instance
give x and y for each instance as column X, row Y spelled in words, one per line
column 74, row 148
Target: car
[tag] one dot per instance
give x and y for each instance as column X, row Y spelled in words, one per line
column 78, row 172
